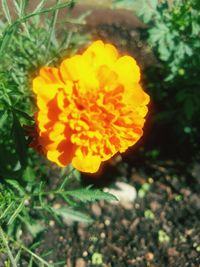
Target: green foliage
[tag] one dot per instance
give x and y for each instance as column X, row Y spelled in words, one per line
column 7, row 203
column 71, row 214
column 28, row 43
column 163, row 237
column 97, row 259
column 23, row 209
column 174, row 35
column 148, row 214
column 173, row 30
column 26, row 200
column 88, row 195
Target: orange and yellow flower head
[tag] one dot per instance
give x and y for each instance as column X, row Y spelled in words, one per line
column 89, row 108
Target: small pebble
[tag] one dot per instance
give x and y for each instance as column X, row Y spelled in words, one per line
column 85, row 253
column 149, row 256
column 150, row 180
column 137, row 206
column 57, row 206
column 51, row 223
column 61, row 238
column 172, row 252
column 107, row 222
column 26, row 202
column 102, row 235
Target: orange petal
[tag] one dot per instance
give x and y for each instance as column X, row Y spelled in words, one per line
column 66, row 149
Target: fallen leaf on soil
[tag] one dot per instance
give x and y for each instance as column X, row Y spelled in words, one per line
column 96, row 209
column 80, row 263
column 154, row 205
column 149, row 256
column 134, row 224
column 138, row 179
column 69, row 263
column 172, row 252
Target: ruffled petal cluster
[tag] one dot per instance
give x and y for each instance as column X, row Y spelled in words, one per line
column 89, row 108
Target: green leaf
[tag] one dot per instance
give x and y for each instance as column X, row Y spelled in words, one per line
column 52, row 30
column 128, row 4
column 7, row 210
column 30, row 264
column 181, row 96
column 90, row 195
column 189, row 108
column 195, row 28
column 188, row 50
column 23, row 114
column 6, row 37
column 153, row 4
column 46, row 10
column 29, row 174
column 147, row 10
column 16, row 186
column 3, row 117
column 20, row 140
column 17, row 7
column 40, row 6
column 6, row 10
column 18, row 256
column 35, row 228
column 17, row 212
column 77, row 175
column 23, row 5
column 67, row 213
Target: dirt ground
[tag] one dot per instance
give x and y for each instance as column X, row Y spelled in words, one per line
column 160, row 228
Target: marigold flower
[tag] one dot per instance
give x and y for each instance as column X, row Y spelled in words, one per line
column 89, row 108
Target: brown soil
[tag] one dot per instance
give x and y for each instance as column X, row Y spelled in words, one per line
column 126, row 235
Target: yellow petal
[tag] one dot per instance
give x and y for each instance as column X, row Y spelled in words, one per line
column 77, row 69
column 107, row 77
column 86, row 163
column 134, row 95
column 127, row 70
column 57, row 130
column 53, row 156
column 42, row 119
column 99, row 54
column 44, row 91
column 50, row 75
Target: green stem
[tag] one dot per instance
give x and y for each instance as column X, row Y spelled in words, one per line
column 66, row 180
column 6, row 36
column 52, row 29
column 21, row 247
column 34, row 255
column 5, row 242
